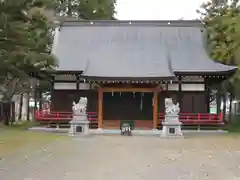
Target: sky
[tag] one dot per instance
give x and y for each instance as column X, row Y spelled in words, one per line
column 157, row 9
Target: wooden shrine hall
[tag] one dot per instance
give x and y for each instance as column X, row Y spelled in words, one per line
column 126, row 69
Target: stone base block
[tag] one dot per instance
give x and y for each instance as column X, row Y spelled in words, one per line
column 78, row 128
column 171, row 130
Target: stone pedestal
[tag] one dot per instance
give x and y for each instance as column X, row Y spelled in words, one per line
column 79, row 125
column 171, row 126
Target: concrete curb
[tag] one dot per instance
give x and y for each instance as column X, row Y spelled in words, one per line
column 118, row 132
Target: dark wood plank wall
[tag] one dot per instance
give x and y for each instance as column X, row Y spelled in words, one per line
column 61, row 100
column 126, row 106
column 192, row 101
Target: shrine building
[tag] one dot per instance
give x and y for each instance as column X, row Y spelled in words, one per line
column 127, row 68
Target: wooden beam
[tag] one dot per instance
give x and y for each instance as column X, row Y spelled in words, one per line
column 100, row 103
column 207, row 96
column 155, row 109
column 114, row 89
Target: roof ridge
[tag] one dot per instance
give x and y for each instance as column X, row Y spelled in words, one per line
column 170, row 23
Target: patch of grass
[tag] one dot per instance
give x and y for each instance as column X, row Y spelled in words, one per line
column 17, row 137
column 234, row 126
column 19, row 125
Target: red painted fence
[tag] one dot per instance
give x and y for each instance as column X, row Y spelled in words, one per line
column 60, row 116
column 197, row 118
column 185, row 118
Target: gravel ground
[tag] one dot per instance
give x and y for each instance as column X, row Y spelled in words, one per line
column 128, row 158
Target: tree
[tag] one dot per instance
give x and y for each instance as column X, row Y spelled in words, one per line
column 220, row 24
column 86, row 9
column 223, row 42
column 25, row 43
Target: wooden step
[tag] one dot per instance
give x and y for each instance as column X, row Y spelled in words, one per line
column 138, row 124
column 143, row 124
column 111, row 124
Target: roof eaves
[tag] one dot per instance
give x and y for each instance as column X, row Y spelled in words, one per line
column 95, row 78
column 208, row 73
column 69, row 72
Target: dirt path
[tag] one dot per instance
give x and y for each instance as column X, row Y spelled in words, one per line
column 128, row 158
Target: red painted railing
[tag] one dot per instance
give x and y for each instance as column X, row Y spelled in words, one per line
column 60, row 116
column 197, row 118
column 185, row 118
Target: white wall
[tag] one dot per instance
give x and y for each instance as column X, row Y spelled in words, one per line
column 172, row 87
column 65, row 86
column 84, row 86
column 185, row 87
column 69, row 85
column 193, row 87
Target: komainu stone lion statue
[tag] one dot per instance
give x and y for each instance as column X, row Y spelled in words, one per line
column 171, row 108
column 80, row 107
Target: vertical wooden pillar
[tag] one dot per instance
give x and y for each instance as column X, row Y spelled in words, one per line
column 180, row 93
column 155, row 109
column 100, row 102
column 207, row 96
column 77, row 82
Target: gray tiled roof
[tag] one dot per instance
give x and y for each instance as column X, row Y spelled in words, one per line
column 142, row 49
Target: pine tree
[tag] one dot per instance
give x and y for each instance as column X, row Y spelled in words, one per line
column 221, row 21
column 86, row 9
column 25, row 43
